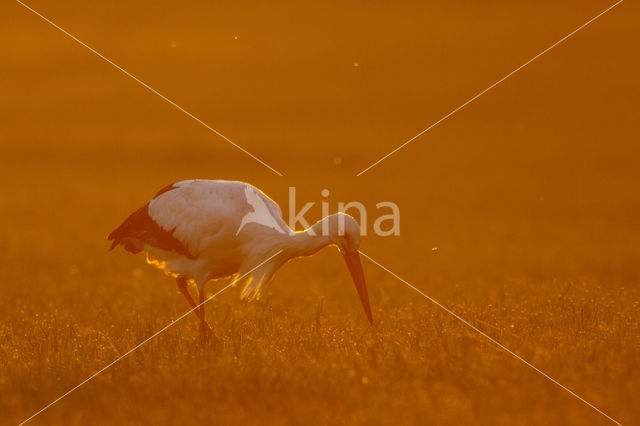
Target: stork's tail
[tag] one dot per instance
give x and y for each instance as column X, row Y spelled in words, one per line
column 123, row 234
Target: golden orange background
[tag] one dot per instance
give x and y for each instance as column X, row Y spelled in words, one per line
column 529, row 194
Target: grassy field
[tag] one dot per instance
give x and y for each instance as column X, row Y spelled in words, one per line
column 521, row 213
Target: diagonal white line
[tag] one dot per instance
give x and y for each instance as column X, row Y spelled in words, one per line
column 146, row 86
column 144, row 341
column 494, row 341
column 489, row 88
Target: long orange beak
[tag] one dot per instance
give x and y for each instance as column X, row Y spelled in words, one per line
column 355, row 267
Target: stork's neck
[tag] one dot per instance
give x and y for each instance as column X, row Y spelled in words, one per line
column 307, row 242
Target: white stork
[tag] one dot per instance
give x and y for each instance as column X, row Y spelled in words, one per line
column 199, row 230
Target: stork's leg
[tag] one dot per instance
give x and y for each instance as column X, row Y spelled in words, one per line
column 206, row 330
column 183, row 287
column 199, row 311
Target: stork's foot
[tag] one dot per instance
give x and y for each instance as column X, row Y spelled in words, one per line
column 206, row 332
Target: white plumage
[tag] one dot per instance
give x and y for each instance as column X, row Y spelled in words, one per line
column 262, row 213
column 207, row 229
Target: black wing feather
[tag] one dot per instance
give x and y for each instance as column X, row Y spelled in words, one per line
column 140, row 229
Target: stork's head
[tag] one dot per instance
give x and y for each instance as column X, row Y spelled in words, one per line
column 343, row 231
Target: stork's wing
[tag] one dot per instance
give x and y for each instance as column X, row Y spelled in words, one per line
column 192, row 216
column 201, row 213
column 139, row 230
